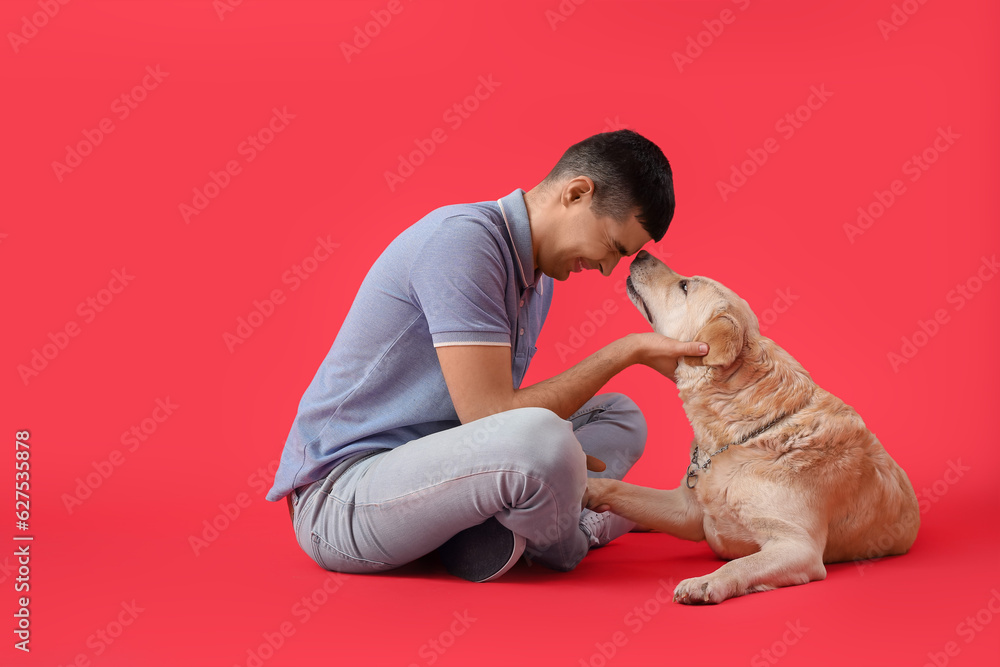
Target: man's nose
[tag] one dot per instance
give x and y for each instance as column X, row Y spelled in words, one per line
column 608, row 266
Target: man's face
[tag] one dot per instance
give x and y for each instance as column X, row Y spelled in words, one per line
column 585, row 242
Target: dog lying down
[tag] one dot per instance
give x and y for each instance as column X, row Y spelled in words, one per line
column 784, row 476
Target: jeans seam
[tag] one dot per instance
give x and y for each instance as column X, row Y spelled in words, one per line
column 297, row 510
column 599, row 408
column 321, row 542
column 343, row 472
column 444, row 481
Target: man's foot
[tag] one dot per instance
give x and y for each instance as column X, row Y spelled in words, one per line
column 482, row 553
column 602, row 527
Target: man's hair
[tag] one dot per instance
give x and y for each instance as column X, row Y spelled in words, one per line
column 629, row 172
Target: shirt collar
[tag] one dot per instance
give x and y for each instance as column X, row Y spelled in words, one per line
column 515, row 215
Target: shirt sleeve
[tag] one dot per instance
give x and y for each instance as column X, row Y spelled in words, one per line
column 459, row 279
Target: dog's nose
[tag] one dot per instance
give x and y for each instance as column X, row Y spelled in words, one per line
column 640, row 256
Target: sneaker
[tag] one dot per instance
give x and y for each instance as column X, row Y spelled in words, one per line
column 482, row 553
column 602, row 527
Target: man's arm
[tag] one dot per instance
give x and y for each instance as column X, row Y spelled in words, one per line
column 480, row 383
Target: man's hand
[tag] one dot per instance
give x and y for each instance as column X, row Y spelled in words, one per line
column 661, row 353
column 595, row 464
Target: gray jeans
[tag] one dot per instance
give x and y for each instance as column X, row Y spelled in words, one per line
column 379, row 510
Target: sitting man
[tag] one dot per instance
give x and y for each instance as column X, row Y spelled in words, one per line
column 416, row 434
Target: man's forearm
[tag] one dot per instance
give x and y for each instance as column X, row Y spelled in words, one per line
column 566, row 393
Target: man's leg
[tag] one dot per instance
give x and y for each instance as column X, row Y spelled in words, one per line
column 524, row 467
column 612, row 428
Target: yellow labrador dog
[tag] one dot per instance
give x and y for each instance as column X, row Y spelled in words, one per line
column 784, row 476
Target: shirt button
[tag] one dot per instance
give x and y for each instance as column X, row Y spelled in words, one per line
column 521, row 332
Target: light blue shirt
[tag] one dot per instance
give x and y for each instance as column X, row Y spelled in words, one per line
column 463, row 274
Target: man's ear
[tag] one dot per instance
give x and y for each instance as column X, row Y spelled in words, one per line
column 724, row 336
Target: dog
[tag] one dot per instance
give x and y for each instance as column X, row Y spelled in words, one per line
column 784, row 476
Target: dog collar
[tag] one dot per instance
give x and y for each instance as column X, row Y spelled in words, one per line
column 692, row 471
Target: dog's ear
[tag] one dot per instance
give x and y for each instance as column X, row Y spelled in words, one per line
column 724, row 336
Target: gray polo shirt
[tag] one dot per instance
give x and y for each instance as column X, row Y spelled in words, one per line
column 463, row 274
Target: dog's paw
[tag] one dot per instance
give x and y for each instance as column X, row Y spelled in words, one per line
column 700, row 590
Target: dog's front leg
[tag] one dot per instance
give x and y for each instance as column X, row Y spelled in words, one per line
column 674, row 511
column 780, row 562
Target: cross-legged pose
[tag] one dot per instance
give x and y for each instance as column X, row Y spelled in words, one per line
column 416, row 435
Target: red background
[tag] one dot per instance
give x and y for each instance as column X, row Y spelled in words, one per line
column 606, row 65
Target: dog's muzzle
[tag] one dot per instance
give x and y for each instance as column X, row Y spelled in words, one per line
column 636, row 299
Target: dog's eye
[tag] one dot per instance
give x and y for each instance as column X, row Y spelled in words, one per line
column 684, row 286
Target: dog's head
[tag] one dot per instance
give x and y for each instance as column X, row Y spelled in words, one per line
column 691, row 308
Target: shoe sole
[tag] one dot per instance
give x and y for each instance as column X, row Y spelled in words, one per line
column 482, row 553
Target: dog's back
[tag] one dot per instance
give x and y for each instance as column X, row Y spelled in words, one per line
column 872, row 507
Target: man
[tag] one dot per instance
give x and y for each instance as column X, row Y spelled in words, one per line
column 415, row 433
